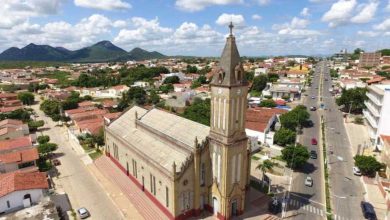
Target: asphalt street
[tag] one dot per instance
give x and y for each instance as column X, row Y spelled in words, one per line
column 346, row 189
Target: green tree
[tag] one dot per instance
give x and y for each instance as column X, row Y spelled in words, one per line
column 284, row 137
column 34, row 125
column 353, row 100
column 295, row 156
column 264, row 167
column 171, row 80
column 166, row 88
column 99, row 138
column 269, row 103
column 50, row 107
column 192, row 69
column 368, row 165
column 250, row 75
column 272, row 77
column 135, row 95
column 27, row 98
column 46, row 148
column 154, row 98
column 259, row 83
column 43, row 139
column 199, row 111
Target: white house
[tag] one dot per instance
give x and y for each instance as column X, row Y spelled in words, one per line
column 21, row 190
column 261, row 71
column 141, row 84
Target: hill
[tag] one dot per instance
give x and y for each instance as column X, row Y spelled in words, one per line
column 103, row 51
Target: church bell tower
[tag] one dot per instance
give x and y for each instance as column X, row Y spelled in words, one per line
column 228, row 140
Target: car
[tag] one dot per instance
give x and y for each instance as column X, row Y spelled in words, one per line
column 313, row 97
column 313, row 108
column 356, row 171
column 313, row 154
column 309, row 181
column 314, row 141
column 83, row 213
column 275, row 206
column 56, row 162
column 368, row 211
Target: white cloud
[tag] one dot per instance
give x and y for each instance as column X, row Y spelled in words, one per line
column 263, row 2
column 225, row 19
column 367, row 13
column 256, row 17
column 384, row 26
column 17, row 12
column 196, row 5
column 340, row 12
column 368, row 33
column 305, row 12
column 388, row 7
column 103, row 4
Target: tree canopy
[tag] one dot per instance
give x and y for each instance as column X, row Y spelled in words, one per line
column 171, row 80
column 269, row 103
column 27, row 98
column 368, row 165
column 294, row 118
column 259, row 83
column 199, row 111
column 295, row 156
column 352, row 99
column 284, row 137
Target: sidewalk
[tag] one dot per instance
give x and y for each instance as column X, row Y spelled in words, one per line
column 357, row 135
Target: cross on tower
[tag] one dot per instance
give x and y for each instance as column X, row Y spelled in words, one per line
column 231, row 26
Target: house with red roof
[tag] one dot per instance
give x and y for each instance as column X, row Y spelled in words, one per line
column 20, row 190
column 15, row 144
column 260, row 124
column 21, row 160
column 10, row 129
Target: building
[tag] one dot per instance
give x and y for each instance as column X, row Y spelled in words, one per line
column 185, row 167
column 21, row 190
column 385, row 154
column 340, row 57
column 369, row 59
column 378, row 112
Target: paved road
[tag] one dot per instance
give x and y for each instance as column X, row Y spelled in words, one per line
column 346, row 189
column 82, row 188
column 309, row 201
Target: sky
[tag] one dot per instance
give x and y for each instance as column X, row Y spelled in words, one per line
column 199, row 27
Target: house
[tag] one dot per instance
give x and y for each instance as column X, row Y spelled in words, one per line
column 261, row 71
column 260, row 123
column 10, row 129
column 86, row 105
column 351, row 84
column 20, row 160
column 181, row 87
column 21, row 190
column 141, row 84
column 15, row 144
column 369, row 59
column 109, row 104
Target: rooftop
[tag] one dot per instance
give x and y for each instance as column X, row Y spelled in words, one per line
column 257, row 119
column 20, row 156
column 11, row 182
column 15, row 143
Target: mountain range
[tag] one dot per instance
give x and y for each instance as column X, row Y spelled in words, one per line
column 103, row 51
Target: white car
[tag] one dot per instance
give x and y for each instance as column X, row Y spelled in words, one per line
column 309, row 181
column 83, row 213
column 356, row 171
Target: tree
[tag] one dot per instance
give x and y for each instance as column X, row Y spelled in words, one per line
column 289, row 121
column 50, row 107
column 295, row 156
column 192, row 69
column 34, row 125
column 269, row 103
column 27, row 98
column 284, row 137
column 43, row 139
column 166, row 88
column 171, row 80
column 135, row 95
column 273, row 77
column 19, row 114
column 154, row 98
column 99, row 138
column 46, row 148
column 199, row 111
column 352, row 100
column 368, row 165
column 259, row 83
column 250, row 75
column 265, row 167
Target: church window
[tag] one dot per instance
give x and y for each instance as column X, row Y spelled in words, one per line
column 219, row 168
column 233, row 168
column 202, row 174
column 224, row 114
column 219, row 113
column 239, row 162
column 214, row 165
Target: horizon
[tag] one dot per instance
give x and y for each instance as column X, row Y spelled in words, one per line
column 191, row 28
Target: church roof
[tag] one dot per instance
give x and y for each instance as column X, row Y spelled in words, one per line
column 146, row 137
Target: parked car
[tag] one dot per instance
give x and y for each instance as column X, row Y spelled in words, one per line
column 313, row 154
column 275, row 206
column 313, row 97
column 309, row 181
column 56, row 162
column 368, row 211
column 314, row 141
column 83, row 213
column 356, row 171
column 313, row 108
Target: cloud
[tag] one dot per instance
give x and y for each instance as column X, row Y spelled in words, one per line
column 384, row 26
column 340, row 12
column 367, row 13
column 225, row 19
column 103, row 4
column 263, row 2
column 256, row 17
column 388, row 7
column 305, row 12
column 196, row 5
column 17, row 12
column 296, row 27
column 368, row 33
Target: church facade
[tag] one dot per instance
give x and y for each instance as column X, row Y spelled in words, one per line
column 185, row 167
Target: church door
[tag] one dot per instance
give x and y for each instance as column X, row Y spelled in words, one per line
column 234, row 208
column 215, row 206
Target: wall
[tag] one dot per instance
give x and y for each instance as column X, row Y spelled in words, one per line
column 16, row 199
column 384, row 125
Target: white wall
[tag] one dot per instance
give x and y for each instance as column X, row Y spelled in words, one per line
column 16, row 199
column 384, row 125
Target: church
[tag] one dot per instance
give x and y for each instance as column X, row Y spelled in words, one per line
column 185, row 167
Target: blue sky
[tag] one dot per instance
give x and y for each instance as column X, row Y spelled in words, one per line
column 199, row 27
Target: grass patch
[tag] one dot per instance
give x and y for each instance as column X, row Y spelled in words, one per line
column 326, row 173
column 95, row 155
column 61, row 76
column 87, row 148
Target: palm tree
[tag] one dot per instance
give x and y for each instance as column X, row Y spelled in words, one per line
column 264, row 167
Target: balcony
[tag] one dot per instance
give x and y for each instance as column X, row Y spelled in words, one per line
column 374, row 99
column 372, row 109
column 370, row 119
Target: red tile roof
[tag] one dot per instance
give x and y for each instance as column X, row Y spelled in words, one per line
column 8, row 95
column 386, row 138
column 15, row 143
column 11, row 182
column 113, row 115
column 258, row 118
column 86, row 103
column 20, row 156
column 10, row 109
column 10, row 122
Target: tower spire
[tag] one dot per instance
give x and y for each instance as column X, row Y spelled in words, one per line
column 231, row 26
